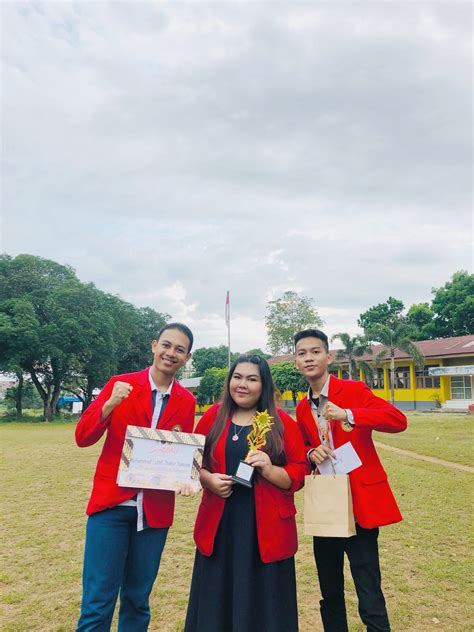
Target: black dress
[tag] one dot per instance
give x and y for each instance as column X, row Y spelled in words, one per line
column 233, row 590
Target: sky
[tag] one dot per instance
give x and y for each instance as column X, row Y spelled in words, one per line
column 170, row 152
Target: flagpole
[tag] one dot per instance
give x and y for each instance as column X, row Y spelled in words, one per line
column 227, row 320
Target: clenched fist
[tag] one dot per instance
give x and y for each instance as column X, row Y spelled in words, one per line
column 120, row 391
column 331, row 412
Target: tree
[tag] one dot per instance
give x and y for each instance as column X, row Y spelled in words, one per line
column 353, row 348
column 29, row 396
column 211, row 357
column 61, row 340
column 18, row 336
column 395, row 335
column 453, row 306
column 32, row 276
column 149, row 322
column 135, row 329
column 420, row 319
column 96, row 327
column 35, row 281
column 92, row 329
column 286, row 377
column 211, row 385
column 67, row 334
column 258, row 352
column 285, row 317
column 381, row 314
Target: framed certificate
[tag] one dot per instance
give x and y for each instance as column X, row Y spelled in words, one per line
column 159, row 459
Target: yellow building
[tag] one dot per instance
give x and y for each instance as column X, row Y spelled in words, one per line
column 446, row 380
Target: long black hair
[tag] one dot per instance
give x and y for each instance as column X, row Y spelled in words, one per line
column 274, row 446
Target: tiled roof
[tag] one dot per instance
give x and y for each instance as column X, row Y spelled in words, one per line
column 440, row 348
column 287, row 357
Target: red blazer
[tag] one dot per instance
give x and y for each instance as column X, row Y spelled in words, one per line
column 135, row 410
column 274, row 507
column 373, row 501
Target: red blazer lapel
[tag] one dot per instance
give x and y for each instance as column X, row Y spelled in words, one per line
column 337, row 392
column 310, row 424
column 219, row 452
column 142, row 399
column 336, row 386
column 204, row 427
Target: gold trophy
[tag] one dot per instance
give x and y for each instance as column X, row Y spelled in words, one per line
column 261, row 424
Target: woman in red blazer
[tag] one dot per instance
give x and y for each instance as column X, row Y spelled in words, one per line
column 244, row 573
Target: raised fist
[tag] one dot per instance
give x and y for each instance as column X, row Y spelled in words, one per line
column 120, row 391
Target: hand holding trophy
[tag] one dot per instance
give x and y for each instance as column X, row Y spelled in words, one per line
column 261, row 424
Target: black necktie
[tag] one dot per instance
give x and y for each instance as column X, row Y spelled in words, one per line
column 163, row 403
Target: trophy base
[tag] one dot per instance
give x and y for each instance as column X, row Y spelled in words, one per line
column 244, row 474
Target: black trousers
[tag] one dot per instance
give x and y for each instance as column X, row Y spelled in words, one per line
column 363, row 554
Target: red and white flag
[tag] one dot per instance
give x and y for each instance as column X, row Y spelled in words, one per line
column 227, row 309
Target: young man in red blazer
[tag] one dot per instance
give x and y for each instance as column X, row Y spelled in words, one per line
column 126, row 531
column 348, row 411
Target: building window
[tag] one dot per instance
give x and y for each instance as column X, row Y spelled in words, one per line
column 376, row 380
column 345, row 375
column 379, row 379
column 401, row 377
column 424, row 380
column 461, row 387
column 334, row 372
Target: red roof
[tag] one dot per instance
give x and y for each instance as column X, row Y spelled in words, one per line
column 439, row 348
column 287, row 357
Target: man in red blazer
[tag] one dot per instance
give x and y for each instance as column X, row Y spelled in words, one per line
column 126, row 531
column 335, row 412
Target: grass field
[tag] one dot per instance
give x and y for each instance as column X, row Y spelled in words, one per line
column 446, row 436
column 426, row 561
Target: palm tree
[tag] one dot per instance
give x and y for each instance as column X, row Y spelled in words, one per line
column 353, row 348
column 395, row 335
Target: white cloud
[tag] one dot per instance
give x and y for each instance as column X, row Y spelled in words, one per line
column 173, row 151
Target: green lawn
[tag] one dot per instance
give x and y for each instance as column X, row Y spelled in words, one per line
column 46, row 482
column 446, row 436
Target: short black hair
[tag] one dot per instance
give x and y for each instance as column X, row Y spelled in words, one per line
column 184, row 329
column 312, row 333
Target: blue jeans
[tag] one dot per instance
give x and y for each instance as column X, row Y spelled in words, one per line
column 118, row 558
